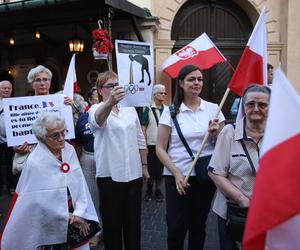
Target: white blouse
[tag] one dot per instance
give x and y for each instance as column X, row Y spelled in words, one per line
column 117, row 143
column 194, row 126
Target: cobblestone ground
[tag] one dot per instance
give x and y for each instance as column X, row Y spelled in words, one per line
column 154, row 230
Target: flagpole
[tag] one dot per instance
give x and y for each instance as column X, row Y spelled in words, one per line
column 207, row 135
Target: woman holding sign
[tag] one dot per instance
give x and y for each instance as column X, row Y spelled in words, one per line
column 187, row 204
column 40, row 80
column 121, row 162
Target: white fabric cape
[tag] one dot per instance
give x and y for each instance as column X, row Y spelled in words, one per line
column 40, row 213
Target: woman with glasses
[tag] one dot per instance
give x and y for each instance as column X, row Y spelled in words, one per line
column 187, row 203
column 121, row 162
column 235, row 160
column 51, row 196
column 40, row 80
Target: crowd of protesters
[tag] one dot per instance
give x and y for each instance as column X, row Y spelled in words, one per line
column 99, row 196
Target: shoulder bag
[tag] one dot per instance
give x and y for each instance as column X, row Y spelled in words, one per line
column 202, row 162
column 237, row 215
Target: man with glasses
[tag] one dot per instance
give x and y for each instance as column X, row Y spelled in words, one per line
column 149, row 122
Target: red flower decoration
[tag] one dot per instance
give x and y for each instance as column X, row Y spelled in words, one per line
column 102, row 41
column 65, row 167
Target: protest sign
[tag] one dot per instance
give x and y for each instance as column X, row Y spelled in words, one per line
column 20, row 113
column 135, row 72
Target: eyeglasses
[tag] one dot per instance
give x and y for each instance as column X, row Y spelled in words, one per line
column 55, row 136
column 110, row 86
column 39, row 80
column 260, row 105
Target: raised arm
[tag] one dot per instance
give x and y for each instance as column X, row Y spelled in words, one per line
column 103, row 111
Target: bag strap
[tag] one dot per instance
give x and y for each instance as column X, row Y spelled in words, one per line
column 155, row 115
column 188, row 149
column 249, row 158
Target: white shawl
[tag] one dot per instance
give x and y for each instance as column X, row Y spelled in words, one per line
column 40, row 212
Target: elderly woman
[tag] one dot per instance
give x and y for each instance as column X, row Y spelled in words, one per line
column 51, row 195
column 121, row 162
column 40, row 80
column 187, row 204
column 230, row 168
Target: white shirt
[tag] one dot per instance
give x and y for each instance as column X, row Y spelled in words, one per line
column 117, row 143
column 194, row 126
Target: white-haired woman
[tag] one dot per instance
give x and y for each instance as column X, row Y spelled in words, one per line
column 149, row 122
column 51, row 196
column 40, row 79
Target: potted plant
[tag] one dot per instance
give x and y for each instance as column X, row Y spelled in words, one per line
column 102, row 44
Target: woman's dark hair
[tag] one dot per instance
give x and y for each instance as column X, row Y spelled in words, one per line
column 256, row 88
column 178, row 97
column 89, row 94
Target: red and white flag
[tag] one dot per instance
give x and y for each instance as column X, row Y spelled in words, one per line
column 201, row 52
column 252, row 67
column 71, row 80
column 274, row 215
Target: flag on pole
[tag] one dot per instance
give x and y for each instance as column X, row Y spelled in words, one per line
column 71, row 80
column 274, row 215
column 201, row 52
column 252, row 67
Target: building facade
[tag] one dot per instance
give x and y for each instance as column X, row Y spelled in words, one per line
column 167, row 24
column 180, row 21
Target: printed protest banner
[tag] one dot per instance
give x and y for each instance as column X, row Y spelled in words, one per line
column 20, row 113
column 135, row 72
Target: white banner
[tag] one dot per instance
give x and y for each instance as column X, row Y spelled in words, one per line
column 135, row 72
column 20, row 113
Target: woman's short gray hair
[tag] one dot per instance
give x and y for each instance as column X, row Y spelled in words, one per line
column 254, row 87
column 37, row 70
column 158, row 88
column 44, row 121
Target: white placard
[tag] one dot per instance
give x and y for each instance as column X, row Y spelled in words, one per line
column 135, row 72
column 20, row 113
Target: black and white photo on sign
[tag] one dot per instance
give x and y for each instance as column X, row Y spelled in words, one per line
column 135, row 72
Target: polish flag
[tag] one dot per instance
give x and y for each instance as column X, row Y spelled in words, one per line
column 201, row 52
column 252, row 67
column 274, row 215
column 71, row 80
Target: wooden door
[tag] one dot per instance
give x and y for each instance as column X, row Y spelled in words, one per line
column 229, row 28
